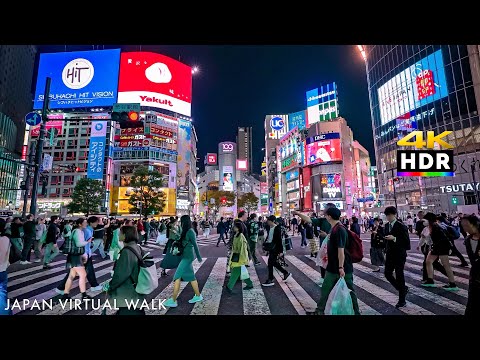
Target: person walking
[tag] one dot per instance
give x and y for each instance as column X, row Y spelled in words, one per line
column 117, row 245
column 141, row 231
column 452, row 235
column 238, row 258
column 98, row 234
column 206, row 228
column 275, row 251
column 121, row 288
column 440, row 249
column 301, row 230
column 339, row 262
column 377, row 246
column 355, row 227
column 185, row 271
column 424, row 245
column 146, row 229
column 410, row 224
column 221, row 230
column 472, row 243
column 28, row 239
column 252, row 233
column 4, row 263
column 40, row 237
column 75, row 262
column 51, row 247
column 398, row 242
column 16, row 233
column 195, row 226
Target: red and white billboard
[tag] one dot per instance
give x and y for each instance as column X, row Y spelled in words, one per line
column 323, row 148
column 242, row 164
column 211, row 159
column 35, row 130
column 155, row 80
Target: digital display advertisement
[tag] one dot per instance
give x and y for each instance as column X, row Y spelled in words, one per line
column 331, row 186
column 242, row 165
column 211, row 159
column 323, row 148
column 227, row 178
column 276, row 126
column 227, row 148
column 323, row 204
column 291, row 175
column 322, row 104
column 155, row 80
column 79, row 79
column 298, row 119
column 293, row 185
column 420, row 84
column 96, row 154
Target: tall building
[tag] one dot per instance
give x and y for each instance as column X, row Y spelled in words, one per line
column 401, row 101
column 16, row 70
column 244, row 146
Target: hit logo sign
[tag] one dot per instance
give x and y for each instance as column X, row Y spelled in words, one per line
column 425, row 162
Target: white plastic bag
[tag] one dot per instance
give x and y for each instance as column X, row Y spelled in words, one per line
column 322, row 256
column 244, row 273
column 162, row 239
column 339, row 301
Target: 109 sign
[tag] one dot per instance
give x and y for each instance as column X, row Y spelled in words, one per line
column 425, row 162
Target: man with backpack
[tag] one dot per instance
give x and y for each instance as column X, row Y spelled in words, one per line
column 340, row 263
column 252, row 228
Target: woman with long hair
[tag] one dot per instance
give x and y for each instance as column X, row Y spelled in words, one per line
column 377, row 245
column 76, row 262
column 471, row 224
column 185, row 268
column 238, row 257
column 440, row 249
column 121, row 289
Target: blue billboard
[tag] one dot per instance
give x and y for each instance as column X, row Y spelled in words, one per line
column 96, row 154
column 79, row 79
column 298, row 119
column 420, row 84
column 291, row 175
column 321, row 95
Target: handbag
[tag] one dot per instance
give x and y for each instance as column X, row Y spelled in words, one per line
column 288, row 244
column 235, row 257
column 244, row 273
column 268, row 246
column 70, row 248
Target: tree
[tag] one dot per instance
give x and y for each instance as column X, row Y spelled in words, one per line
column 146, row 198
column 222, row 199
column 88, row 195
column 248, row 201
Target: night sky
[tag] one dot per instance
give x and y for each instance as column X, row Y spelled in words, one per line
column 238, row 85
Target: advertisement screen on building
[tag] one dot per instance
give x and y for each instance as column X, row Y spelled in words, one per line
column 242, row 165
column 418, row 85
column 331, row 186
column 79, row 79
column 227, row 148
column 293, row 185
column 323, row 148
column 276, row 126
column 322, row 104
column 96, row 154
column 155, row 80
column 227, row 178
column 211, row 159
column 298, row 119
column 291, row 175
column 263, row 188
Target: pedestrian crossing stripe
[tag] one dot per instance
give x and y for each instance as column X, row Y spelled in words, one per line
column 302, row 295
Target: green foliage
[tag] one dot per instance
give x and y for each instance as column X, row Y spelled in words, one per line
column 146, row 196
column 88, row 195
column 248, row 202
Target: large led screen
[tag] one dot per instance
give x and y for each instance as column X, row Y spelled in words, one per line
column 323, row 148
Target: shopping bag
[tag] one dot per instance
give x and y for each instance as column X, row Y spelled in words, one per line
column 244, row 273
column 339, row 301
column 322, row 257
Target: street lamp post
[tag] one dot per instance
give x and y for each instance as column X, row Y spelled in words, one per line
column 477, row 195
column 394, row 180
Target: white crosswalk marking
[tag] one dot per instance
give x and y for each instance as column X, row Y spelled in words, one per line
column 33, row 269
column 212, row 290
column 168, row 291
column 306, row 303
column 254, row 301
column 316, row 277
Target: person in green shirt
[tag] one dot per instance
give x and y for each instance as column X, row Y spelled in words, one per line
column 238, row 257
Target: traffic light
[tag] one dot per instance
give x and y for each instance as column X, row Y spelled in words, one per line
column 130, row 119
column 454, row 200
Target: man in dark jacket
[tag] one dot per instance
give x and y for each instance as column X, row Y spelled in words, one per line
column 28, row 239
column 221, row 230
column 51, row 248
column 398, row 242
column 274, row 237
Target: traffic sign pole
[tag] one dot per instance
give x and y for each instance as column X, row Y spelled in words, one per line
column 38, row 153
column 27, row 182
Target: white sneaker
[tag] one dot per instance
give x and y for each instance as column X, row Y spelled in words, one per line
column 25, row 262
column 96, row 288
column 37, row 260
column 59, row 292
column 196, row 299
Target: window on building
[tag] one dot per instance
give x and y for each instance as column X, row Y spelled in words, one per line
column 85, row 131
column 72, row 132
column 469, row 198
column 54, row 180
column 82, row 155
column 71, row 144
column 54, row 192
column 68, row 180
column 58, row 156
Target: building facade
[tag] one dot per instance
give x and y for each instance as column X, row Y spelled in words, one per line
column 244, row 146
column 426, row 88
column 16, row 74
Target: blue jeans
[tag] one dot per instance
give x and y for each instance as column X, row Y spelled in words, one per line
column 51, row 251
column 98, row 244
column 304, row 239
column 4, row 294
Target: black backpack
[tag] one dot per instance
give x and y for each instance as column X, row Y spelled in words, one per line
column 309, row 233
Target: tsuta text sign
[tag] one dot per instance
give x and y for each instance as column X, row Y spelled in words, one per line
column 425, row 163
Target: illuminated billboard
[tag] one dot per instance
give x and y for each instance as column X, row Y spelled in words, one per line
column 276, row 126
column 322, row 104
column 79, row 79
column 227, row 178
column 331, row 185
column 242, row 164
column 420, row 84
column 323, row 148
column 298, row 119
column 155, row 80
column 211, row 159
